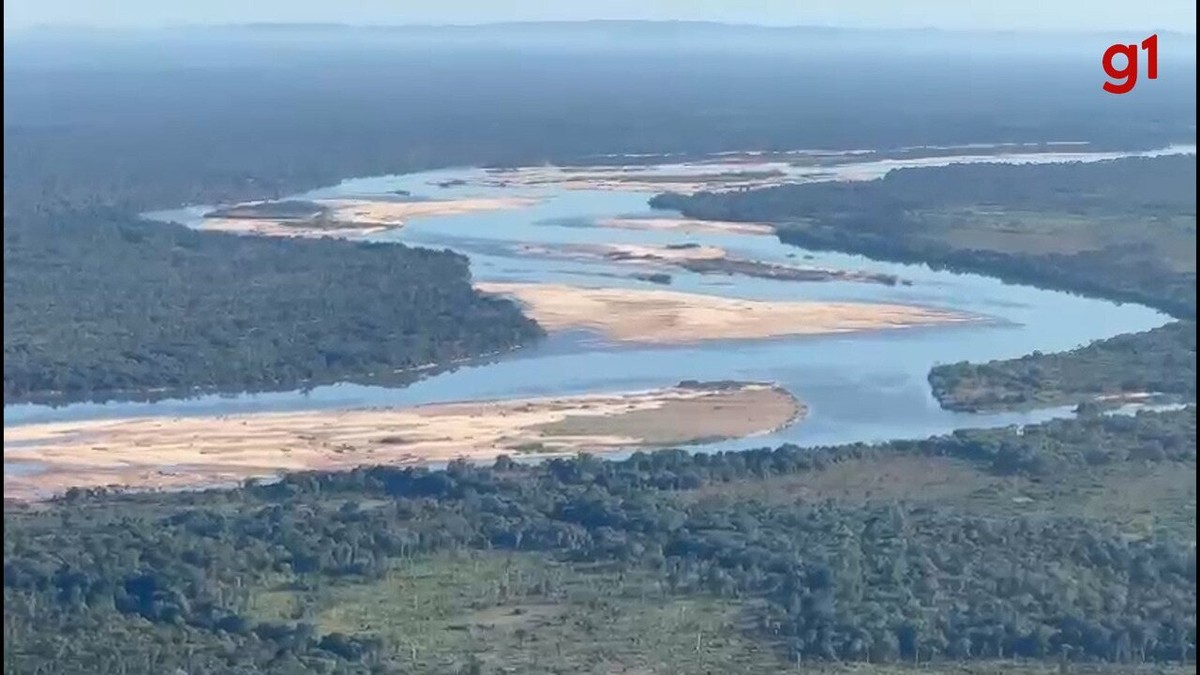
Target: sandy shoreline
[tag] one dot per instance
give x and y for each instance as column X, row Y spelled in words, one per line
column 361, row 217
column 197, row 451
column 669, row 317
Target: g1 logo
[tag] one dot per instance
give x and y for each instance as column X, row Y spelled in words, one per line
column 1125, row 78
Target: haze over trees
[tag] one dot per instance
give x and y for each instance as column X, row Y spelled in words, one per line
column 222, row 115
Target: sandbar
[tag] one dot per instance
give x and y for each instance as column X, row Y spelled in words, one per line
column 361, row 217
column 652, row 316
column 686, row 225
column 158, row 452
column 702, row 260
column 690, row 177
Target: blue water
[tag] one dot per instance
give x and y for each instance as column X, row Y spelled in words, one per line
column 858, row 387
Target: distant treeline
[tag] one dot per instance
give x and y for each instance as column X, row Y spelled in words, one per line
column 100, row 304
column 274, row 121
column 169, row 577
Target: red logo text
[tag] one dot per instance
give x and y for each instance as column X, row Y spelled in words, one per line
column 1125, row 78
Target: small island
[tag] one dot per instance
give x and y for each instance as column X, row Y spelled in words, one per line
column 709, row 260
column 659, row 316
column 344, row 217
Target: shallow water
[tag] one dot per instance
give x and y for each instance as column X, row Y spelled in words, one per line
column 858, row 387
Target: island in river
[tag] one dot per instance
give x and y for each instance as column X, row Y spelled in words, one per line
column 343, row 217
column 148, row 453
column 652, row 316
column 701, row 259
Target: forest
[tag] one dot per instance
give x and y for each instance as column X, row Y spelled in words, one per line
column 1161, row 361
column 178, row 580
column 1123, row 230
column 101, row 304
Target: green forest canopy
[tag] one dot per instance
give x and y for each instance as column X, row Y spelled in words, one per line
column 101, row 304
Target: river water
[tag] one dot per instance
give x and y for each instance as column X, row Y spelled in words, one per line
column 858, row 387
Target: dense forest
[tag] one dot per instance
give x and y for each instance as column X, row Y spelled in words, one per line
column 179, row 580
column 1122, row 229
column 1159, row 361
column 98, row 304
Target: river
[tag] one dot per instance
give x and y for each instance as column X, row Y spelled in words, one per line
column 858, row 387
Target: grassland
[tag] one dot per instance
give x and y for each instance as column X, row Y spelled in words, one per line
column 522, row 613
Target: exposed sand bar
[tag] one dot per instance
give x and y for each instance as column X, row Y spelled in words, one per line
column 700, row 259
column 359, row 217
column 396, row 212
column 199, row 451
column 727, row 174
column 686, row 225
column 670, row 317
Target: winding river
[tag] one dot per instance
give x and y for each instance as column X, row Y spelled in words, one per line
column 858, row 386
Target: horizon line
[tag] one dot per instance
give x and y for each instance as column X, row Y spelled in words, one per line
column 573, row 22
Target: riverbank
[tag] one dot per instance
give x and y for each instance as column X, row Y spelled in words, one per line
column 161, row 453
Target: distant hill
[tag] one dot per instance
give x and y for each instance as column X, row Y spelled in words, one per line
column 635, row 35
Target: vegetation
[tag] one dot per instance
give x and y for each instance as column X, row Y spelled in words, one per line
column 1161, row 361
column 88, row 126
column 289, row 209
column 1067, row 546
column 101, row 304
column 700, row 561
column 1123, row 230
column 148, row 123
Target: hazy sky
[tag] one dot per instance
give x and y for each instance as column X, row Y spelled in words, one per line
column 971, row 14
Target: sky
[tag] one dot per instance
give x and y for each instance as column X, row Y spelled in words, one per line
column 1039, row 15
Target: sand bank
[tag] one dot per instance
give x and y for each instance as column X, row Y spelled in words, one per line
column 725, row 174
column 199, row 451
column 711, row 260
column 360, row 217
column 669, row 317
column 686, row 225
